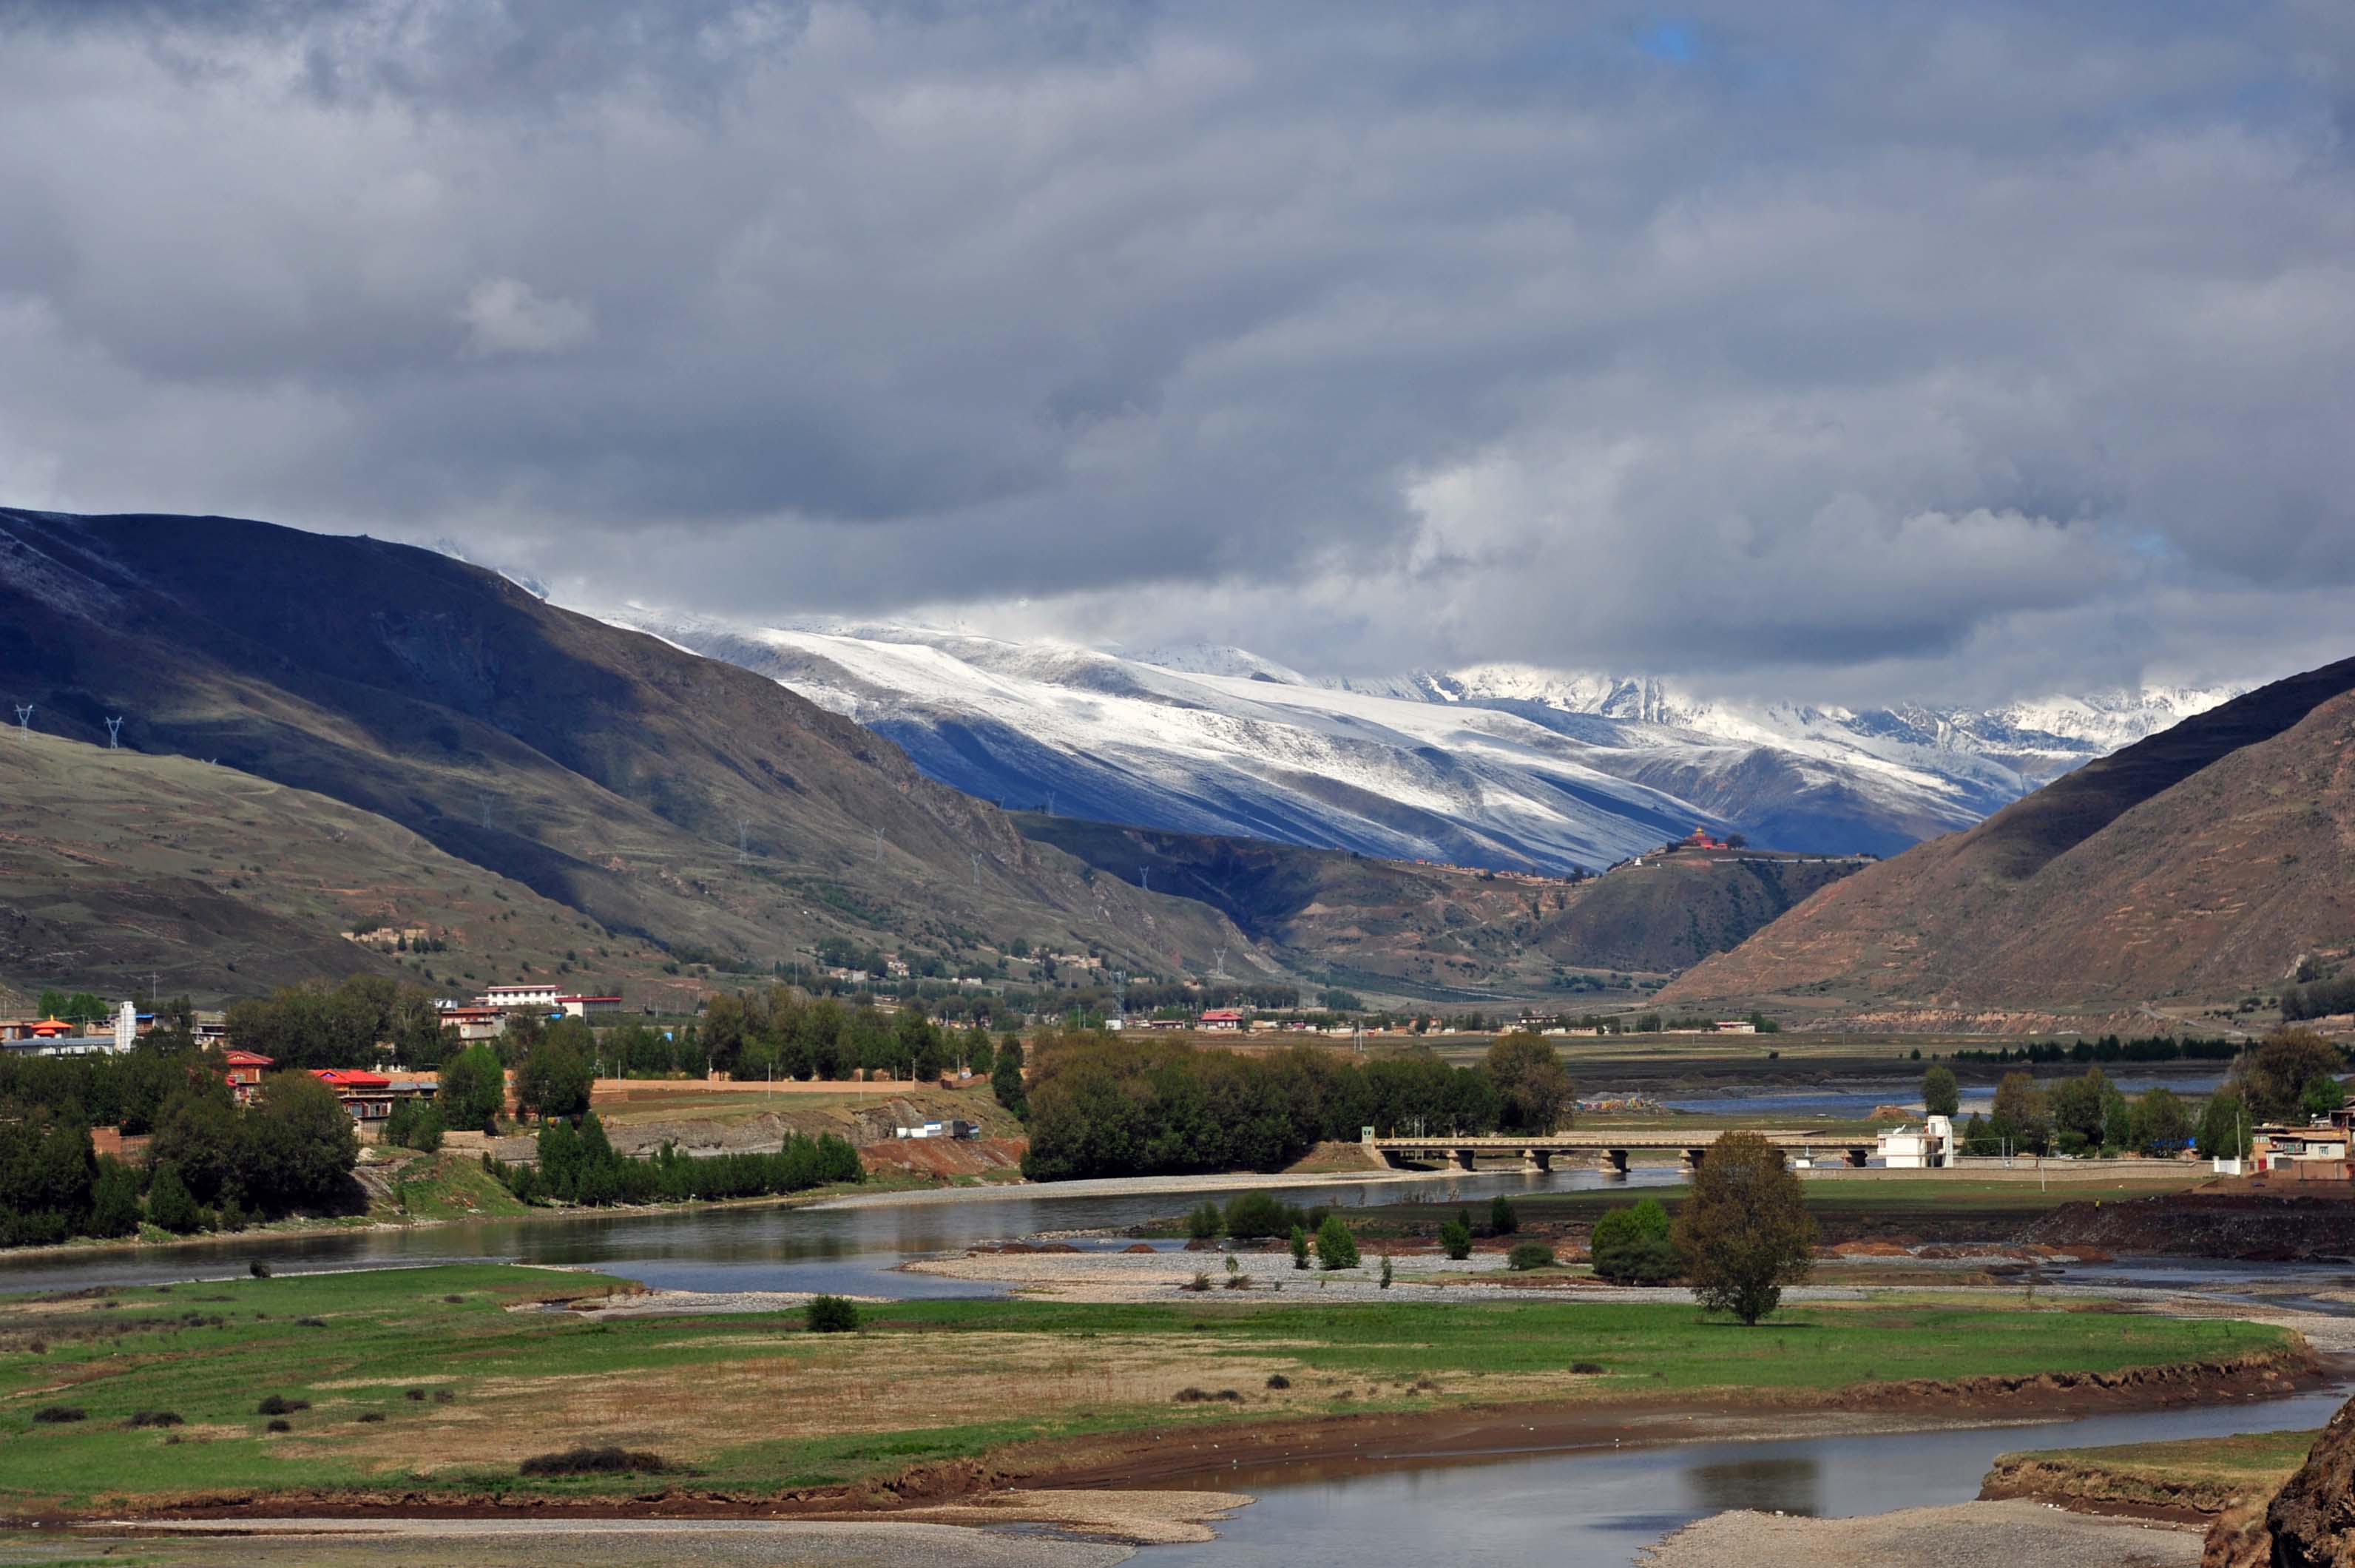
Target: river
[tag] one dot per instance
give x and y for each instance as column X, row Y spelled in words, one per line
column 1579, row 1507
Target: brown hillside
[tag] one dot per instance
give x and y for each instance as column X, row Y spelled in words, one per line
column 2199, row 863
column 605, row 770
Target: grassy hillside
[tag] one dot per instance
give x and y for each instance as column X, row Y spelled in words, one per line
column 115, row 866
column 2200, row 864
column 661, row 795
column 1447, row 926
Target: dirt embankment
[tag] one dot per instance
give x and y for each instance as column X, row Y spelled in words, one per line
column 2238, row 1220
column 2096, row 1488
column 947, row 1157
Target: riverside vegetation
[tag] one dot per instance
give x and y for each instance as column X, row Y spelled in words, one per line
column 387, row 1378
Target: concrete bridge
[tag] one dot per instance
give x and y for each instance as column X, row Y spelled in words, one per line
column 1610, row 1147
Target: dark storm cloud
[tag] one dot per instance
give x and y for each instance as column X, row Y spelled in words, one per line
column 1995, row 347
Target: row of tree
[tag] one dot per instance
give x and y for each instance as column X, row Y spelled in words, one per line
column 2108, row 1049
column 578, row 1164
column 1105, row 1106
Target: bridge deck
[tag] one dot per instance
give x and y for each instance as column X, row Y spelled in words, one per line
column 1697, row 1138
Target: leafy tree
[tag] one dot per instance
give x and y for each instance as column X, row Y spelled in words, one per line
column 1299, row 1247
column 1503, row 1221
column 2161, row 1124
column 47, row 1170
column 200, row 1136
column 1006, row 1077
column 1202, row 1221
column 2273, row 1078
column 1455, row 1237
column 2323, row 1095
column 2020, row 1114
column 113, row 1199
column 1531, row 1085
column 1257, row 1214
column 414, row 1124
column 298, row 1145
column 2081, row 1111
column 2225, row 1128
column 555, row 1080
column 169, row 1205
column 1336, row 1248
column 1941, row 1095
column 1745, row 1232
column 1632, row 1246
column 473, row 1089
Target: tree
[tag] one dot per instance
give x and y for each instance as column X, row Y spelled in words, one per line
column 199, row 1136
column 298, row 1145
column 169, row 1206
column 2081, row 1111
column 2224, row 1129
column 113, row 1199
column 1745, row 1232
column 1299, row 1247
column 1336, row 1248
column 1503, row 1221
column 2273, row 1078
column 555, row 1080
column 1531, row 1087
column 2020, row 1114
column 1455, row 1237
column 1006, row 1077
column 473, row 1089
column 2160, row 1124
column 2323, row 1095
column 1632, row 1246
column 1941, row 1095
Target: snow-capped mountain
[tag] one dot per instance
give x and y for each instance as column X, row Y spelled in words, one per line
column 1497, row 765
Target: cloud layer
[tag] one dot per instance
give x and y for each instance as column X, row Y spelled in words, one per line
column 1880, row 350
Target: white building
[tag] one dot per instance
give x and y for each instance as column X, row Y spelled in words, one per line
column 1929, row 1147
column 521, row 996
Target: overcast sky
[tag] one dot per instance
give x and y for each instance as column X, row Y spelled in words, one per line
column 1850, row 351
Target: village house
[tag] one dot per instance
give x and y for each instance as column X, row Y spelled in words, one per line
column 369, row 1096
column 1222, row 1018
column 2314, row 1153
column 243, row 1071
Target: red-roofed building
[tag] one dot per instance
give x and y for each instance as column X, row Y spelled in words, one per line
column 243, row 1068
column 1222, row 1018
column 1702, row 838
column 368, row 1096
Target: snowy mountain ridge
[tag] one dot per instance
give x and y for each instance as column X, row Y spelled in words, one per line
column 1495, row 765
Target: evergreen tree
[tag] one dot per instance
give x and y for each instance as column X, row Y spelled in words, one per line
column 1941, row 1095
column 1336, row 1248
column 169, row 1206
column 114, row 1199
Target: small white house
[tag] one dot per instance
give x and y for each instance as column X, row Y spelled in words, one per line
column 1929, row 1147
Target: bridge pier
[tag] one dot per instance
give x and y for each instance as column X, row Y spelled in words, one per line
column 1857, row 1155
column 1463, row 1157
column 1692, row 1158
column 1538, row 1159
column 1615, row 1159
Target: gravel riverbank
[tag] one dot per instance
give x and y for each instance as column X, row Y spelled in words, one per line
column 1962, row 1535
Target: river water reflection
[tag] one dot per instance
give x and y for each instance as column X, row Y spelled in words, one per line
column 851, row 1251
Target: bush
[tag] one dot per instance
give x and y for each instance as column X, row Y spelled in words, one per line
column 1203, row 1396
column 593, row 1462
column 1527, row 1255
column 1386, row 1271
column 1503, row 1221
column 1336, row 1248
column 278, row 1426
column 59, row 1414
column 415, row 1123
column 1203, row 1221
column 1455, row 1237
column 1278, row 1381
column 1239, row 1281
column 156, row 1418
column 1299, row 1247
column 258, row 1269
column 369, row 1417
column 279, row 1404
column 830, row 1315
column 1631, row 1245
column 1201, row 1281
column 1259, row 1214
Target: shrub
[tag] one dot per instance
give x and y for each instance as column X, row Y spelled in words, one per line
column 593, row 1462
column 1257, row 1214
column 1386, row 1271
column 279, row 1404
column 418, row 1395
column 1336, row 1248
column 310, row 1323
column 1203, row 1221
column 1586, row 1367
column 258, row 1269
column 1527, row 1255
column 1239, row 1282
column 1455, row 1237
column 1203, row 1396
column 830, row 1315
column 279, row 1426
column 369, row 1417
column 1631, row 1245
column 1278, row 1381
column 1503, row 1220
column 59, row 1414
column 233, row 1216
column 1299, row 1247
column 156, row 1418
column 1201, row 1281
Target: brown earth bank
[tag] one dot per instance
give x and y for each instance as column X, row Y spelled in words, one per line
column 2235, row 1218
column 2309, row 1523
column 1156, row 1459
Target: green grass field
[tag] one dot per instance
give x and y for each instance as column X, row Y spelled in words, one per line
column 424, row 1378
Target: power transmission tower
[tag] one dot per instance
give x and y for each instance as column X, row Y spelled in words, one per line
column 1220, row 970
column 114, row 734
column 24, row 720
